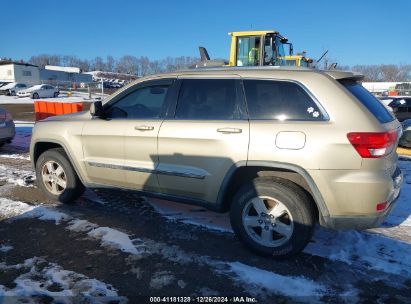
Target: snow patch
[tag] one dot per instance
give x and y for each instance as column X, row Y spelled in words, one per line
column 44, row 279
column 15, row 156
column 191, row 215
column 9, row 208
column 80, row 225
column 114, row 238
column 5, row 248
column 258, row 279
column 372, row 251
column 14, row 210
column 23, row 178
column 161, row 279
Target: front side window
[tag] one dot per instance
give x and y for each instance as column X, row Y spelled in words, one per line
column 208, row 99
column 280, row 100
column 248, row 51
column 143, row 103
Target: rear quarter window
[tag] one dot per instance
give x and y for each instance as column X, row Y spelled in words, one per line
column 280, row 100
column 368, row 100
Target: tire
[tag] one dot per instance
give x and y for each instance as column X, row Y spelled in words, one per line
column 36, row 96
column 55, row 159
column 280, row 236
column 12, row 93
column 55, row 95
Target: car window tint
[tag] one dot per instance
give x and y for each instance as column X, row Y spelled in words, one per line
column 368, row 100
column 143, row 103
column 208, row 99
column 279, row 100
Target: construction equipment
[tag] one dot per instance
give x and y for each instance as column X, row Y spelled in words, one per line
column 257, row 48
column 252, row 48
column 299, row 60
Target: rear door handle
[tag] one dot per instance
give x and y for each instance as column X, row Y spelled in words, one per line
column 144, row 128
column 229, row 130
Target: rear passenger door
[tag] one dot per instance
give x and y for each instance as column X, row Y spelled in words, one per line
column 203, row 136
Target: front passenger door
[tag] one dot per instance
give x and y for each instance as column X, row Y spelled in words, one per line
column 143, row 111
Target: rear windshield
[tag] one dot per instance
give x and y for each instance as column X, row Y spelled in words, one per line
column 369, row 101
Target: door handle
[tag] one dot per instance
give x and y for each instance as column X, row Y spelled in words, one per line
column 229, row 130
column 144, row 128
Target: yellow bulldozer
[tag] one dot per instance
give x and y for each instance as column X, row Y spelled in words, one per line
column 257, row 48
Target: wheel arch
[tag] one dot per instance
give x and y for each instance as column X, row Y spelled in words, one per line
column 41, row 146
column 242, row 172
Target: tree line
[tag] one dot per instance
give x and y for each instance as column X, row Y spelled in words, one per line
column 384, row 72
column 127, row 64
column 141, row 66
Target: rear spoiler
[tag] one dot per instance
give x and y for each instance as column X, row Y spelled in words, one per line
column 345, row 75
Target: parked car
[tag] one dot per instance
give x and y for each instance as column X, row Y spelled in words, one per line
column 12, row 88
column 405, row 140
column 7, row 129
column 401, row 106
column 39, row 91
column 281, row 148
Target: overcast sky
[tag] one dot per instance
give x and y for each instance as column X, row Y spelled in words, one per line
column 354, row 31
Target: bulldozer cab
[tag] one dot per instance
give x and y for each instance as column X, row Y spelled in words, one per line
column 257, row 48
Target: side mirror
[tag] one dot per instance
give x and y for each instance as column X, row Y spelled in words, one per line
column 96, row 109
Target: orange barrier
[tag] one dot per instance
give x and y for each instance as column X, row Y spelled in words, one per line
column 44, row 109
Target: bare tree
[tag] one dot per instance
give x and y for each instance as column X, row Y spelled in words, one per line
column 98, row 64
column 127, row 64
column 110, row 63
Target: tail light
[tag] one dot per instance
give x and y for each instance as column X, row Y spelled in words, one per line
column 373, row 145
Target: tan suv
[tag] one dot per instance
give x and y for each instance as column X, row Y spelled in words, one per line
column 281, row 148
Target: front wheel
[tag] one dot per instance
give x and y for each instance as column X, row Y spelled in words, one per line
column 272, row 217
column 56, row 94
column 56, row 177
column 36, row 96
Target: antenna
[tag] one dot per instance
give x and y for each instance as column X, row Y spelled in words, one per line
column 325, row 53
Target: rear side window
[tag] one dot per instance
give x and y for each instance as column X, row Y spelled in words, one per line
column 208, row 99
column 280, row 100
column 368, row 100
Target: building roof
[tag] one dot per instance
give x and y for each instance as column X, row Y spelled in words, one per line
column 6, row 62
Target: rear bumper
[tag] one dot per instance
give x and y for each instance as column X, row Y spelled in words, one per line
column 357, row 218
column 359, row 222
column 7, row 132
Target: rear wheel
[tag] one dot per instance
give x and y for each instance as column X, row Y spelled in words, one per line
column 272, row 217
column 36, row 96
column 57, row 178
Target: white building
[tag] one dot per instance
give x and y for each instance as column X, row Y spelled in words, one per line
column 11, row 71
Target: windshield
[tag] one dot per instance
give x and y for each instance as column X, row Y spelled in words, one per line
column 273, row 51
